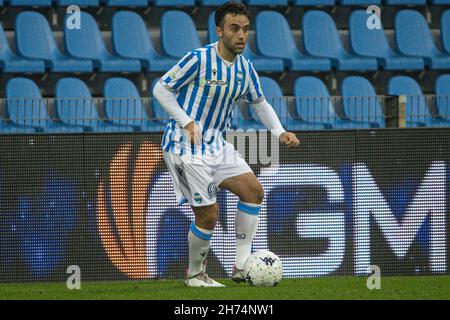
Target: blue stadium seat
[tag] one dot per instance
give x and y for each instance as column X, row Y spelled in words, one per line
column 405, row 2
column 126, row 3
column 274, row 39
column 81, row 3
column 359, row 2
column 10, row 63
column 132, row 40
column 87, row 43
column 174, row 42
column 321, row 39
column 443, row 96
column 75, row 106
column 445, row 30
column 30, row 3
column 260, row 63
column 27, row 109
column 417, row 111
column 441, row 2
column 267, row 2
column 314, row 3
column 361, row 103
column 34, row 40
column 314, row 108
column 373, row 43
column 123, row 105
column 274, row 95
column 174, row 3
column 414, row 38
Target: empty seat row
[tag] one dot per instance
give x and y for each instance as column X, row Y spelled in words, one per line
column 75, row 110
column 133, row 50
column 362, row 107
column 369, row 48
column 191, row 3
column 122, row 109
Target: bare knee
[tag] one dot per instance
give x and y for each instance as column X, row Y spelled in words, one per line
column 259, row 194
column 206, row 216
column 255, row 194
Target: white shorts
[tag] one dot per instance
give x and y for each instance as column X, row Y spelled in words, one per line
column 196, row 179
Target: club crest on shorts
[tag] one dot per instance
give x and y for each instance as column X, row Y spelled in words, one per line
column 198, row 197
column 212, row 190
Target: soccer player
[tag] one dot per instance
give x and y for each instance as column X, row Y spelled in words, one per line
column 199, row 93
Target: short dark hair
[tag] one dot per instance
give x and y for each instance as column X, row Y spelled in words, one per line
column 230, row 7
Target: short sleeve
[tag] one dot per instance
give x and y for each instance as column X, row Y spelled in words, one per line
column 182, row 73
column 254, row 94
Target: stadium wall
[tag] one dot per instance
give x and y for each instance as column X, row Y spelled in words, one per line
column 342, row 201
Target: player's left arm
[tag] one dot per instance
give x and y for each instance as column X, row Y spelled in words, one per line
column 271, row 121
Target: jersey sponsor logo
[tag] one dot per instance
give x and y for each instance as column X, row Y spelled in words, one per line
column 209, row 82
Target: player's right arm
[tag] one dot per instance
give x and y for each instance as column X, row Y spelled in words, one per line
column 170, row 84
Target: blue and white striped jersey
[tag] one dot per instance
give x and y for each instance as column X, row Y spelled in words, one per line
column 207, row 88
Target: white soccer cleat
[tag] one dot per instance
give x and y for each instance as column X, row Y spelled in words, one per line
column 238, row 275
column 202, row 280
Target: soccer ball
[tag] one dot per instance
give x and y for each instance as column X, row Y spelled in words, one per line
column 263, row 269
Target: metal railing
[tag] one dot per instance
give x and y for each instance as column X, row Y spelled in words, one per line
column 51, row 115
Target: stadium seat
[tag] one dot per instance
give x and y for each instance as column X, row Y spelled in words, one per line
column 10, row 63
column 441, row 2
column 260, row 63
column 405, row 2
column 87, row 43
column 361, row 103
column 443, row 96
column 314, row 107
column 321, row 39
column 30, row 3
column 34, row 40
column 267, row 2
column 445, row 30
column 214, row 2
column 174, row 42
column 75, row 106
column 417, row 111
column 131, row 39
column 174, row 3
column 274, row 96
column 81, row 3
column 274, row 39
column 123, row 105
column 414, row 38
column 27, row 109
column 314, row 2
column 126, row 3
column 359, row 2
column 373, row 43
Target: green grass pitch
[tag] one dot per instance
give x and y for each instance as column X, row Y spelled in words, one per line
column 392, row 287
